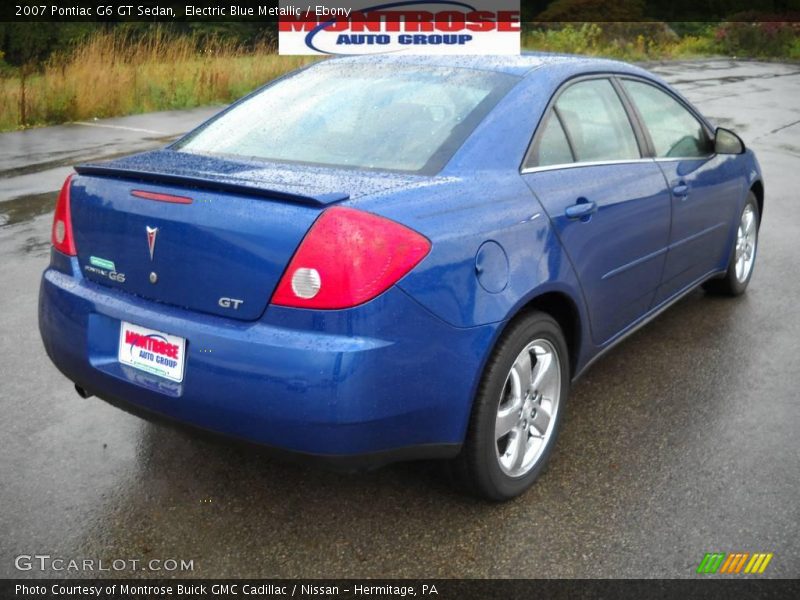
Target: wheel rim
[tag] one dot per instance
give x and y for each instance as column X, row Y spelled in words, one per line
column 746, row 240
column 527, row 409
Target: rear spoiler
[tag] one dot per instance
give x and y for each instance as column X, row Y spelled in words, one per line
column 224, row 184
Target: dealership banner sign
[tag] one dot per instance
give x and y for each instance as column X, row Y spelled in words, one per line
column 400, row 27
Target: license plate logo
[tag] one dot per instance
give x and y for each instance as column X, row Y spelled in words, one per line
column 152, row 351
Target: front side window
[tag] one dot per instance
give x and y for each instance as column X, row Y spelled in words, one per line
column 366, row 116
column 596, row 123
column 675, row 132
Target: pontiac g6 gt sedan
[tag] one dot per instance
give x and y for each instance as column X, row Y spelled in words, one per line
column 393, row 258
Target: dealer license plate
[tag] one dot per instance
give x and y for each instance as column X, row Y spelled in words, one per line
column 152, row 351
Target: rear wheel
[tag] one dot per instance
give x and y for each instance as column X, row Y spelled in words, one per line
column 517, row 410
column 740, row 267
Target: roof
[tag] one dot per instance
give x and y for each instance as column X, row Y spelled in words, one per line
column 512, row 64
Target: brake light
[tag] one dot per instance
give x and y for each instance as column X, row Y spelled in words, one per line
column 171, row 198
column 61, row 236
column 347, row 258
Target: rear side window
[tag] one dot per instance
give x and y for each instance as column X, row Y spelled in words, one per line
column 552, row 147
column 596, row 122
column 674, row 130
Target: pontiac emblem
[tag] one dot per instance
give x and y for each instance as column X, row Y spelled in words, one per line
column 151, row 239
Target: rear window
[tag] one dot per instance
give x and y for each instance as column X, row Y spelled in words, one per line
column 399, row 118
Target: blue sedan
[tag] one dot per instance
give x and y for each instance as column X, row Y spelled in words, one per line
column 392, row 258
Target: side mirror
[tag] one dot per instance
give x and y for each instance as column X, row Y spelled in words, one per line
column 727, row 142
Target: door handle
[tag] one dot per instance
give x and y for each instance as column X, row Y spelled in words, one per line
column 681, row 190
column 581, row 209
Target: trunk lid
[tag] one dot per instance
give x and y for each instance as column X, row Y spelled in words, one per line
column 223, row 248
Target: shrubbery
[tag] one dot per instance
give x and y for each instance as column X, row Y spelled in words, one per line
column 766, row 38
column 628, row 41
column 655, row 40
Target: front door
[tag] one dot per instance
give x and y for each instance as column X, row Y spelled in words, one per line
column 702, row 206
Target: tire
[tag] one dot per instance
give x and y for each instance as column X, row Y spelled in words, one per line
column 496, row 465
column 743, row 256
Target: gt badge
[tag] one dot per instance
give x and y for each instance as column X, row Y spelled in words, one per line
column 233, row 303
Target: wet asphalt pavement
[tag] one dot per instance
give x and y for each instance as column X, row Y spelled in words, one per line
column 681, row 441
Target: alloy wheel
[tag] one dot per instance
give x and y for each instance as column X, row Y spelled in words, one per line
column 527, row 408
column 746, row 240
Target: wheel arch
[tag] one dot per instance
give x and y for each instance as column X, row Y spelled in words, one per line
column 561, row 307
column 758, row 190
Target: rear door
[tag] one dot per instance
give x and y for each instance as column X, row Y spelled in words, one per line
column 608, row 205
column 702, row 193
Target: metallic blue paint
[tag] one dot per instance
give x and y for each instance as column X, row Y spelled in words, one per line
column 702, row 217
column 213, row 247
column 618, row 252
column 318, row 382
column 400, row 371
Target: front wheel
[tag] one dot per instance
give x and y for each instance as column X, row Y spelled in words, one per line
column 740, row 267
column 517, row 410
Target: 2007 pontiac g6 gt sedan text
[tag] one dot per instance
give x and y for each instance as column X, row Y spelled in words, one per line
column 389, row 258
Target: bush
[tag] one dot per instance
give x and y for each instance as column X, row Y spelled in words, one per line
column 654, row 40
column 627, row 41
column 583, row 39
column 765, row 38
column 794, row 51
column 693, row 46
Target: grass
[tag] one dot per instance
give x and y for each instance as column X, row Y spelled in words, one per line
column 113, row 74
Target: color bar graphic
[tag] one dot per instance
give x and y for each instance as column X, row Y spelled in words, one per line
column 758, row 563
column 711, row 562
column 733, row 562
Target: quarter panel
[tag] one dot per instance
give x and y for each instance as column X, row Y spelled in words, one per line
column 459, row 219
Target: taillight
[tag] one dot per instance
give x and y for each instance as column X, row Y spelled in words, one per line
column 347, row 258
column 61, row 235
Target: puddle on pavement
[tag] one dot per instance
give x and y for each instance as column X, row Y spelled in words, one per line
column 26, row 208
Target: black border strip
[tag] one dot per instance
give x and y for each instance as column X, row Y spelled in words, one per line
column 446, row 589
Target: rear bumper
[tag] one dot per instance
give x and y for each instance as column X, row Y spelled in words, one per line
column 346, row 463
column 384, row 381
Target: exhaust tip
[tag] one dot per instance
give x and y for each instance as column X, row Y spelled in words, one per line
column 82, row 392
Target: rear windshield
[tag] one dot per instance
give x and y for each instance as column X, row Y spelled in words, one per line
column 363, row 116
